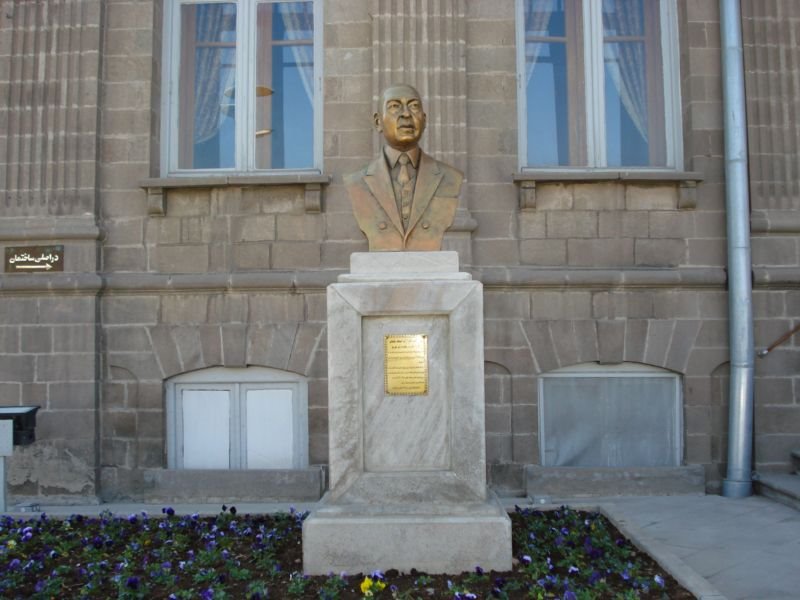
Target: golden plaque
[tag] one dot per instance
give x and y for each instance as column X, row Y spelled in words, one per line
column 405, row 364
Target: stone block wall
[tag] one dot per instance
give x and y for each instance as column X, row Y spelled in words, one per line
column 153, row 335
column 163, row 278
column 539, row 330
column 49, row 360
column 49, row 100
column 772, row 63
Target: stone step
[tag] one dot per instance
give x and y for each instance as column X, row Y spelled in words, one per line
column 796, row 460
column 214, row 485
column 545, row 484
column 781, row 487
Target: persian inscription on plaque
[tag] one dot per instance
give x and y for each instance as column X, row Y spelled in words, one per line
column 34, row 259
column 405, row 364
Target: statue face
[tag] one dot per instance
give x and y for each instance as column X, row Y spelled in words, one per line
column 402, row 120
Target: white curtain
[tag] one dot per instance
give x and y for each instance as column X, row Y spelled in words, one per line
column 537, row 19
column 626, row 60
column 298, row 18
column 211, row 79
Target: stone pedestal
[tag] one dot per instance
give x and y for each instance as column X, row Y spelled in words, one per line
column 407, row 472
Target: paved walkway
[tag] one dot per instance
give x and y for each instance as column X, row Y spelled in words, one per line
column 746, row 548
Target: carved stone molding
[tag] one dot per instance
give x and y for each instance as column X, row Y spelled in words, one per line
column 771, row 63
column 686, row 182
column 49, row 166
column 158, row 188
column 425, row 45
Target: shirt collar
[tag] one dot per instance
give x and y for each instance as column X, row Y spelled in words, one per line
column 392, row 155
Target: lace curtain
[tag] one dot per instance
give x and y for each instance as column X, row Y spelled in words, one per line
column 298, row 20
column 211, row 79
column 537, row 19
column 625, row 61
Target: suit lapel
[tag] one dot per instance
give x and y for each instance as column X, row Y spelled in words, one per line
column 428, row 178
column 379, row 183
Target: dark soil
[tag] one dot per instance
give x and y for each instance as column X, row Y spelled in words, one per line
column 559, row 554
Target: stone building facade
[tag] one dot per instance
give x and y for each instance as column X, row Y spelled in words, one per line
column 171, row 274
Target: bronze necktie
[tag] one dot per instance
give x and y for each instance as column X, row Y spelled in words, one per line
column 406, row 190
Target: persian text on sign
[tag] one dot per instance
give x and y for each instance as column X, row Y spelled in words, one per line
column 405, row 364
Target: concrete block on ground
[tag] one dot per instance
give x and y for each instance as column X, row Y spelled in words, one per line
column 572, row 482
column 435, row 538
column 212, row 485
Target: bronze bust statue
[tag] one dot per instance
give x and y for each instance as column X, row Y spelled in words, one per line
column 404, row 199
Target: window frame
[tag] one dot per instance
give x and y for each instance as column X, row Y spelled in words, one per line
column 620, row 370
column 236, row 381
column 246, row 53
column 593, row 98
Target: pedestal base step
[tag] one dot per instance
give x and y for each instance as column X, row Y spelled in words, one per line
column 363, row 539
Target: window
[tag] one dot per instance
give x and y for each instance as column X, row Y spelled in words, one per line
column 598, row 84
column 242, row 86
column 626, row 415
column 253, row 418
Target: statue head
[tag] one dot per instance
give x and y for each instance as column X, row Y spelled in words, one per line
column 401, row 118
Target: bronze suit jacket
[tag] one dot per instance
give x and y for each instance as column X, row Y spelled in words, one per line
column 432, row 209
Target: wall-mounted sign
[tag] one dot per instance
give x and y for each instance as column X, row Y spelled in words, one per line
column 34, row 259
column 406, row 364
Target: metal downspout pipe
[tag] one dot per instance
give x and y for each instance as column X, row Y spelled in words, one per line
column 738, row 482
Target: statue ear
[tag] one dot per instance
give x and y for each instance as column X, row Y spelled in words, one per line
column 376, row 118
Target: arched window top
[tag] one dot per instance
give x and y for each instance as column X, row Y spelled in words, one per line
column 605, row 370
column 236, row 375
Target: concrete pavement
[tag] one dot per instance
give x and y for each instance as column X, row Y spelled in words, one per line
column 746, row 548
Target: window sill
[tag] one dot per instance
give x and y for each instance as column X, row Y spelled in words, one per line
column 156, row 187
column 687, row 180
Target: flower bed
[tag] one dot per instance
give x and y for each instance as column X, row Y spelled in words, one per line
column 560, row 554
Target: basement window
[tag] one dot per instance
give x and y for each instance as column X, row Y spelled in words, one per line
column 625, row 415
column 252, row 418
